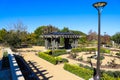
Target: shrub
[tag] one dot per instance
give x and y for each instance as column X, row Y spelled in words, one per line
column 59, row 52
column 59, row 59
column 83, row 49
column 79, row 71
column 114, row 74
column 80, row 58
column 112, row 63
column 65, row 60
column 49, row 52
column 5, row 61
column 103, row 50
column 118, row 54
column 5, row 54
column 75, row 50
column 102, row 57
column 73, row 55
column 51, row 59
column 47, row 57
column 86, row 72
column 85, row 66
column 107, row 77
column 91, row 49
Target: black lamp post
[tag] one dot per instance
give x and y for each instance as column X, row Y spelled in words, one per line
column 99, row 6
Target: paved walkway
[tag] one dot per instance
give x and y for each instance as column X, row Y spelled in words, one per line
column 47, row 71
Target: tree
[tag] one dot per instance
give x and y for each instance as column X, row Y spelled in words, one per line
column 78, row 32
column 92, row 36
column 13, row 39
column 44, row 30
column 31, row 39
column 51, row 28
column 3, row 33
column 83, row 41
column 17, row 34
column 105, row 39
column 65, row 29
column 116, row 38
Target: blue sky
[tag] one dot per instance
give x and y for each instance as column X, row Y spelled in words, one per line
column 74, row 14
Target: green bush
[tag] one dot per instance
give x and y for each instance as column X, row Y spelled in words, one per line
column 103, row 50
column 107, row 77
column 114, row 74
column 91, row 49
column 59, row 52
column 61, row 60
column 86, row 72
column 118, row 54
column 64, row 60
column 83, row 49
column 75, row 50
column 79, row 71
column 85, row 66
column 5, row 61
column 94, row 56
column 51, row 59
column 49, row 52
column 47, row 57
column 5, row 54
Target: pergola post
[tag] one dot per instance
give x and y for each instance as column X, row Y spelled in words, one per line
column 53, row 43
column 76, row 42
column 46, row 43
column 57, row 41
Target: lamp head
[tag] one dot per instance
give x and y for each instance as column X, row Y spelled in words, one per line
column 99, row 5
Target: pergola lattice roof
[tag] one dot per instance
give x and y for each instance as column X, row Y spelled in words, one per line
column 61, row 34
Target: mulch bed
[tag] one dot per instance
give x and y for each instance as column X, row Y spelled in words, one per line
column 117, row 66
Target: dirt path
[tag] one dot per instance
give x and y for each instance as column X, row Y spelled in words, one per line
column 48, row 71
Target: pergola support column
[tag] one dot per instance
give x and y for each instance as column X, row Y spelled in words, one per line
column 46, row 43
column 76, row 43
column 53, row 43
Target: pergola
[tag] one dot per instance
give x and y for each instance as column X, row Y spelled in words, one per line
column 52, row 40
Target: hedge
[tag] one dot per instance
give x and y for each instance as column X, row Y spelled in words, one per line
column 83, row 49
column 86, row 72
column 112, row 73
column 102, row 50
column 58, row 52
column 76, row 50
column 51, row 59
column 49, row 52
column 118, row 54
column 107, row 77
column 47, row 57
column 79, row 71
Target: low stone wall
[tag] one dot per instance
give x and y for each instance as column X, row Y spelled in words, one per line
column 15, row 70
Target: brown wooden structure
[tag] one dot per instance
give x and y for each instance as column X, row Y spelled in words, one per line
column 52, row 40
